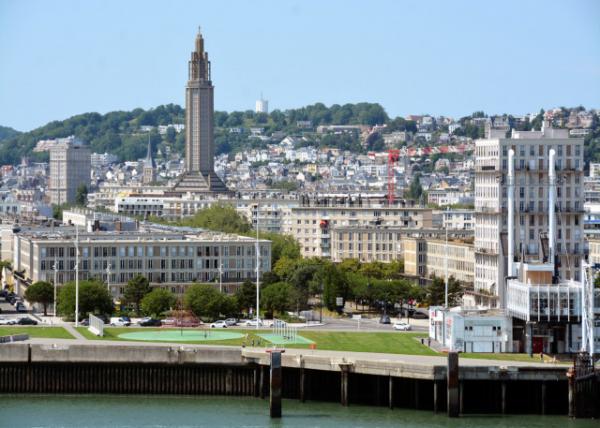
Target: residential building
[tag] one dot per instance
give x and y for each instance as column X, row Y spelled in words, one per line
column 313, row 220
column 70, row 168
column 171, row 258
column 531, row 206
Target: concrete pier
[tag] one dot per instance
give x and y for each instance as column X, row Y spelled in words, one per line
column 405, row 381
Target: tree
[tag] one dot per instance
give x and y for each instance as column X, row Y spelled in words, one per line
column 81, row 195
column 220, row 217
column 278, row 297
column 135, row 290
column 246, row 296
column 158, row 301
column 206, row 301
column 41, row 292
column 93, row 298
column 415, row 190
column 436, row 292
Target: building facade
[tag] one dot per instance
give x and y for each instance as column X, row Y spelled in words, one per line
column 70, row 167
column 168, row 258
column 531, row 206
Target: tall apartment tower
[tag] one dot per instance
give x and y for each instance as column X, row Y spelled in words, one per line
column 199, row 126
column 70, row 167
column 261, row 106
column 537, row 232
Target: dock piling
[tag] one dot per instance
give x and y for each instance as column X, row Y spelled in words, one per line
column 275, row 384
column 453, row 386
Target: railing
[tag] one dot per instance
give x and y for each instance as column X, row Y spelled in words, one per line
column 96, row 325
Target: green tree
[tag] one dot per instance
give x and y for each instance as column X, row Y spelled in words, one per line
column 41, row 292
column 158, row 301
column 93, row 298
column 81, row 195
column 246, row 296
column 436, row 292
column 220, row 217
column 278, row 297
column 205, row 301
column 415, row 189
column 135, row 290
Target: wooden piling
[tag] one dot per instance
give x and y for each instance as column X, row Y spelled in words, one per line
column 454, row 396
column 275, row 385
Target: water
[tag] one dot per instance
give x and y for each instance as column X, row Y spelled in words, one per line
column 99, row 411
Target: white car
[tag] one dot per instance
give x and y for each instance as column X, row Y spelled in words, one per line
column 253, row 323
column 120, row 322
column 219, row 324
column 8, row 321
column 402, row 326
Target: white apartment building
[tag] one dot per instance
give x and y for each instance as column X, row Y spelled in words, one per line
column 531, row 203
column 271, row 215
column 313, row 221
column 427, row 257
column 69, row 168
column 169, row 257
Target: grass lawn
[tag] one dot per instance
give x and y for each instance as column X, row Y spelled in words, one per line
column 509, row 357
column 393, row 342
column 45, row 332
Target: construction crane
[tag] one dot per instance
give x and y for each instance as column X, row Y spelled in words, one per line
column 393, row 156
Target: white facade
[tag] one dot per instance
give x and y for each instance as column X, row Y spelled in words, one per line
column 531, row 196
column 462, row 330
column 261, row 106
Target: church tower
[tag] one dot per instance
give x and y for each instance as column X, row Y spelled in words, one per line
column 199, row 173
column 149, row 169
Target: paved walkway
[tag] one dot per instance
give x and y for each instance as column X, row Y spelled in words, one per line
column 72, row 330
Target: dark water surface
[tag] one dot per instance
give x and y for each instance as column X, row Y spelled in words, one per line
column 137, row 411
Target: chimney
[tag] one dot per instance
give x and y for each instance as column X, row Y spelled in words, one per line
column 511, row 212
column 551, row 205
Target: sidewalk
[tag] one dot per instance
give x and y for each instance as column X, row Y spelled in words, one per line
column 72, row 330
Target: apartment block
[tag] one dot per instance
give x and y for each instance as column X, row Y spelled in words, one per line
column 531, row 206
column 70, row 167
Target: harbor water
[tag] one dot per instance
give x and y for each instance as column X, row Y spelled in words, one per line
column 154, row 411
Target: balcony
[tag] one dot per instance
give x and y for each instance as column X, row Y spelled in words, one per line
column 487, row 210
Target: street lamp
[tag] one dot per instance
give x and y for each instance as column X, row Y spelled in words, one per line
column 55, row 268
column 108, row 278
column 257, row 269
column 76, row 276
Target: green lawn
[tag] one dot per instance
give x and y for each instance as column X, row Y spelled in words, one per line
column 393, row 342
column 44, row 332
column 384, row 342
column 387, row 343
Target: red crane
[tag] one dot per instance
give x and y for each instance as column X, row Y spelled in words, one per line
column 393, row 156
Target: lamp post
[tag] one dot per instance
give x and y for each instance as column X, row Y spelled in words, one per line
column 55, row 268
column 257, row 269
column 76, row 276
column 220, row 271
column 446, row 262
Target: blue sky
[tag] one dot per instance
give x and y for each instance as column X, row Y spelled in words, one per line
column 60, row 58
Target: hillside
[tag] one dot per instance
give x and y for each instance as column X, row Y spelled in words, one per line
column 119, row 132
column 6, row 132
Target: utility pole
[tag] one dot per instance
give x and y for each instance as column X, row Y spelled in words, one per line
column 257, row 268
column 55, row 268
column 76, row 276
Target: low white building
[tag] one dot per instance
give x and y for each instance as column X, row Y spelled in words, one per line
column 470, row 330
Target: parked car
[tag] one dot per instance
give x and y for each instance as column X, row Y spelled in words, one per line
column 120, row 321
column 402, row 326
column 84, row 322
column 418, row 315
column 150, row 322
column 219, row 324
column 20, row 307
column 253, row 323
column 8, row 321
column 26, row 321
column 385, row 319
column 231, row 322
